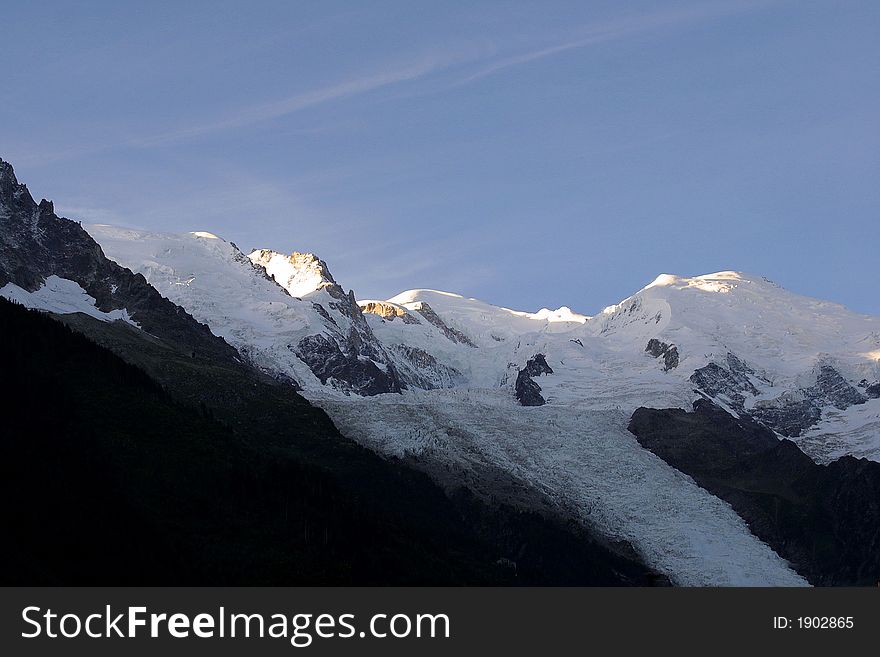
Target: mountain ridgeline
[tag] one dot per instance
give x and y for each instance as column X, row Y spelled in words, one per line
column 135, row 455
column 475, row 443
column 35, row 243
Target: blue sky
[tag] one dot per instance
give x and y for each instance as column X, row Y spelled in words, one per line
column 527, row 153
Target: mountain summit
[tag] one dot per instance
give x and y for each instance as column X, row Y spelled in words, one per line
column 298, row 273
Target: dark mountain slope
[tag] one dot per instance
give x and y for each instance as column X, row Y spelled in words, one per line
column 194, row 467
column 825, row 519
column 108, row 477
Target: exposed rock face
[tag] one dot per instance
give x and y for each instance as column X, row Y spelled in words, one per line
column 420, row 369
column 788, row 416
column 354, row 361
column 453, row 334
column 729, row 383
column 322, row 311
column 825, row 519
column 656, row 348
column 347, row 371
column 35, row 243
column 537, row 366
column 389, row 311
column 831, row 388
column 669, row 352
column 791, row 413
column 873, row 391
column 527, row 391
column 347, row 354
column 362, row 343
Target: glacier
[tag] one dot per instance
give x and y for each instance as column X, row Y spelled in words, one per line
column 763, row 351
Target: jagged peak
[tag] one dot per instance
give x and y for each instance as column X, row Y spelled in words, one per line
column 6, row 171
column 12, row 191
column 298, row 273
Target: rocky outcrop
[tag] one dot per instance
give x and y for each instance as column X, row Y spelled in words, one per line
column 537, row 366
column 347, row 355
column 789, row 414
column 527, row 391
column 793, row 413
column 419, row 369
column 824, row 519
column 362, row 342
column 389, row 311
column 669, row 353
column 322, row 311
column 35, row 243
column 455, row 335
column 347, row 371
column 831, row 388
column 873, row 390
column 730, row 383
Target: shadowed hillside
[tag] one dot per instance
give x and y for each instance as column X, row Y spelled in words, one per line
column 109, row 477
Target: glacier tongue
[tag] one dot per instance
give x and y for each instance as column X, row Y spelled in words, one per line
column 583, row 459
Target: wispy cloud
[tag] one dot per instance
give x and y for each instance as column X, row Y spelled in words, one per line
column 643, row 23
column 486, row 59
column 297, row 102
column 446, row 60
column 450, row 262
column 257, row 113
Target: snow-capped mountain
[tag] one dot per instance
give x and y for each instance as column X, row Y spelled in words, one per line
column 469, row 376
column 553, row 411
column 284, row 314
column 805, row 368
